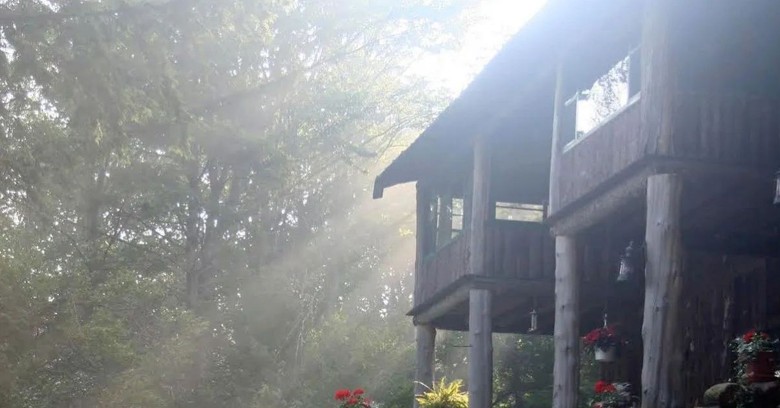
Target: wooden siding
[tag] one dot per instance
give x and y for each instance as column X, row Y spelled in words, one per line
column 727, row 129
column 520, row 250
column 601, row 154
column 442, row 268
column 517, row 250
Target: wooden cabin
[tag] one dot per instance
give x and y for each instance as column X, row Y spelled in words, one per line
column 599, row 124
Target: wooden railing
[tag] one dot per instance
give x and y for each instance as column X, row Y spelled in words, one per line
column 521, row 250
column 601, row 154
column 442, row 269
column 515, row 250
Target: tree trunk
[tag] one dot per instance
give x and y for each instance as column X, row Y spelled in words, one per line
column 566, row 370
column 661, row 334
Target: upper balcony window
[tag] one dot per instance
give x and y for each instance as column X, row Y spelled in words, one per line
column 608, row 95
column 448, row 219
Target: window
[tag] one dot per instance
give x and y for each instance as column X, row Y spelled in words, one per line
column 609, row 94
column 519, row 212
column 457, row 216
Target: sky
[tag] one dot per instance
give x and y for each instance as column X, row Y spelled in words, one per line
column 495, row 22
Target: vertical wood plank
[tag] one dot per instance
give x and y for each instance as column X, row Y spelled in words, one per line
column 566, row 369
column 661, row 333
column 535, row 255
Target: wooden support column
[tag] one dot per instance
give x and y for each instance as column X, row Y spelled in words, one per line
column 481, row 350
column 425, row 337
column 557, row 141
column 444, row 231
column 423, row 240
column 659, row 72
column 480, row 382
column 661, row 333
column 566, row 370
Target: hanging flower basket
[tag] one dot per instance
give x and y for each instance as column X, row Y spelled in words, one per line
column 604, row 342
column 762, row 368
column 608, row 355
column 756, row 357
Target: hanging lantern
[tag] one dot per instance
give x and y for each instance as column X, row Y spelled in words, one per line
column 777, row 188
column 627, row 264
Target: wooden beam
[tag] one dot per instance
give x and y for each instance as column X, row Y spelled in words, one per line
column 603, row 201
column 661, row 334
column 480, row 382
column 566, row 370
column 443, row 306
column 425, row 337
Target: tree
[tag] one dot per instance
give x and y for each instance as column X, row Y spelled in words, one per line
column 175, row 170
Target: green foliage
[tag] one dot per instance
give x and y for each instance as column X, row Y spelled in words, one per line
column 184, row 202
column 444, row 395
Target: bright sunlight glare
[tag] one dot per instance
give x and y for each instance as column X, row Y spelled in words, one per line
column 495, row 21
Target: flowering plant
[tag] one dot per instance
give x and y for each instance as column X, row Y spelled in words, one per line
column 611, row 395
column 602, row 338
column 352, row 399
column 748, row 345
column 444, row 395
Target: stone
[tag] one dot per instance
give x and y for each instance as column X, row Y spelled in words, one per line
column 721, row 395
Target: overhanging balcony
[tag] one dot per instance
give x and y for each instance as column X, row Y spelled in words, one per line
column 519, row 265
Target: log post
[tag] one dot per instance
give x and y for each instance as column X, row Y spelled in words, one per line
column 425, row 337
column 566, row 370
column 558, row 140
column 659, row 85
column 481, row 350
column 422, row 238
column 480, row 206
column 661, row 334
column 480, row 382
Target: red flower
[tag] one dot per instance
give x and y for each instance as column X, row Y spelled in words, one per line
column 358, row 391
column 603, row 387
column 748, row 337
column 352, row 401
column 341, row 395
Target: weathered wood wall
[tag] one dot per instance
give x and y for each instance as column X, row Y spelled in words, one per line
column 519, row 250
column 515, row 250
column 600, row 155
column 724, row 297
column 728, row 129
column 442, row 268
